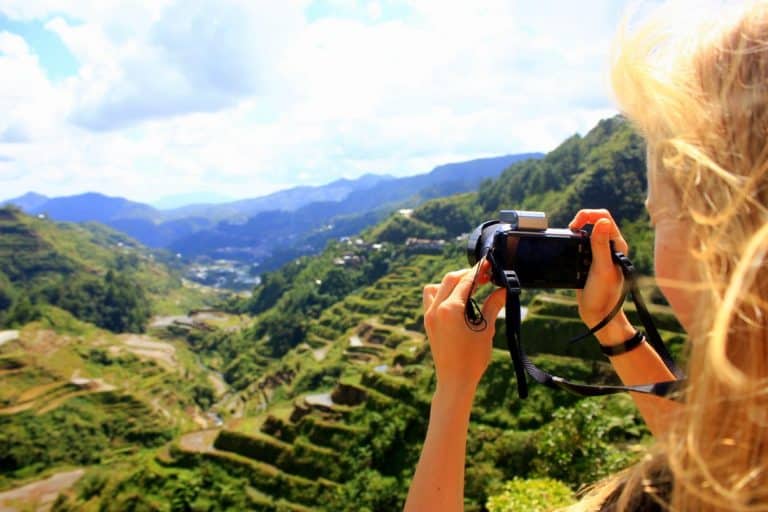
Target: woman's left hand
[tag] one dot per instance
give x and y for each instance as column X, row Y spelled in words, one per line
column 604, row 282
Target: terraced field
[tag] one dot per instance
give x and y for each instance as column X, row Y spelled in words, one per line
column 339, row 419
column 336, row 421
column 82, row 396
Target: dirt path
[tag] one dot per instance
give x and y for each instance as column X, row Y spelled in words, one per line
column 38, row 391
column 165, row 321
column 200, row 441
column 220, row 387
column 144, row 346
column 38, row 495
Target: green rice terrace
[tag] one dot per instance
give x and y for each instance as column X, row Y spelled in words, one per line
column 122, row 389
column 335, row 422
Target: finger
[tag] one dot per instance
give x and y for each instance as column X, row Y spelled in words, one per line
column 449, row 282
column 484, row 274
column 602, row 259
column 464, row 287
column 614, row 235
column 593, row 217
column 493, row 305
column 428, row 295
column 589, row 216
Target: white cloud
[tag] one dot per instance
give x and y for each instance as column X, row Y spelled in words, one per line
column 244, row 97
column 29, row 103
column 190, row 56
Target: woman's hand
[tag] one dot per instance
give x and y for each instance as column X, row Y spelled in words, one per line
column 604, row 283
column 461, row 355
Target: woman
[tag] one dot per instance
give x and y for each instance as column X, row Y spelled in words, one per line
column 701, row 101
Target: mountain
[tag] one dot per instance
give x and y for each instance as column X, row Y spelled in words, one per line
column 274, row 237
column 179, row 200
column 157, row 228
column 90, row 206
column 286, row 200
column 275, row 228
column 28, row 202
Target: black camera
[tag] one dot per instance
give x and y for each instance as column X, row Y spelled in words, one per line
column 541, row 257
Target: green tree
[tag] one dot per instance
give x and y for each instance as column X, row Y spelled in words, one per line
column 580, row 445
column 23, row 311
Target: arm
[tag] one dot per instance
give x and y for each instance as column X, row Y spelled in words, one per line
column 438, row 483
column 461, row 357
column 642, row 365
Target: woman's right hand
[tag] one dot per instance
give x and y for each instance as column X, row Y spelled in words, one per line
column 604, row 283
column 461, row 354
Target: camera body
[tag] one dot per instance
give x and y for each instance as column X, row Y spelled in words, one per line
column 541, row 257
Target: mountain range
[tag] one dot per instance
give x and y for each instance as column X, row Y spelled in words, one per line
column 273, row 228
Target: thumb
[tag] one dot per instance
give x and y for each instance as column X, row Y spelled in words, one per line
column 493, row 305
column 601, row 246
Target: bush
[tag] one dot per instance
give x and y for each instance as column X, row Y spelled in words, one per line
column 582, row 443
column 369, row 491
column 535, row 495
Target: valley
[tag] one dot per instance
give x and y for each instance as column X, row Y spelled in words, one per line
column 312, row 391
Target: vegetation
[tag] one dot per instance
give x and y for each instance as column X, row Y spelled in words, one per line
column 533, row 495
column 95, row 273
column 328, row 372
column 114, row 302
column 85, row 430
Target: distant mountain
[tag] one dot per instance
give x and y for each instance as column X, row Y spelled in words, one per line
column 157, row 228
column 28, row 202
column 179, row 200
column 287, row 200
column 90, row 206
column 276, row 227
column 278, row 236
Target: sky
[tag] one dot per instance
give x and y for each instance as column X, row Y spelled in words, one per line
column 240, row 98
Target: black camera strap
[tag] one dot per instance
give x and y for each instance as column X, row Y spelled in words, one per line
column 523, row 364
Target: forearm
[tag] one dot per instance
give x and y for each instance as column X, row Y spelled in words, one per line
column 438, row 484
column 642, row 365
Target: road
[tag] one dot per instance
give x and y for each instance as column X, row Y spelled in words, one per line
column 40, row 495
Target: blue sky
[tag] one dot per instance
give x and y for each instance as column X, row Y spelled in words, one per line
column 240, row 98
column 53, row 55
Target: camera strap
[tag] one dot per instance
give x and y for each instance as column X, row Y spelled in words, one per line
column 523, row 364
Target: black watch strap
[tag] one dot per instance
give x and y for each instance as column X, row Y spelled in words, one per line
column 624, row 347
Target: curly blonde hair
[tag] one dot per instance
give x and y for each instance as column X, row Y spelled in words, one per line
column 698, row 92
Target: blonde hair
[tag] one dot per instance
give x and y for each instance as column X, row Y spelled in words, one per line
column 700, row 98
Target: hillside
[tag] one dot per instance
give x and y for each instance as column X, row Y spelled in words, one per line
column 331, row 381
column 603, row 169
column 97, row 274
column 75, row 395
column 327, row 374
